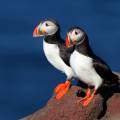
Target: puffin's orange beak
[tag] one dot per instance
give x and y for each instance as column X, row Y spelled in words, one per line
column 67, row 42
column 37, row 32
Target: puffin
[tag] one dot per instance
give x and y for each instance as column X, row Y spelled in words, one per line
column 56, row 52
column 87, row 66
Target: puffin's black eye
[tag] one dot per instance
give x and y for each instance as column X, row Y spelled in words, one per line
column 46, row 24
column 76, row 32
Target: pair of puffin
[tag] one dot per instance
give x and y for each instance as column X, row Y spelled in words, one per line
column 75, row 58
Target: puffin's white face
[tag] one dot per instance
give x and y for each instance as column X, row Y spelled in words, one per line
column 45, row 28
column 74, row 36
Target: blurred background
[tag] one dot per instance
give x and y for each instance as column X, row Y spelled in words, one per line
column 27, row 80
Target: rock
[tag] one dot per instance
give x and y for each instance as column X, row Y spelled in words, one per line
column 113, row 108
column 67, row 109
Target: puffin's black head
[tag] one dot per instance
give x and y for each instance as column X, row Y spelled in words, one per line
column 46, row 27
column 75, row 35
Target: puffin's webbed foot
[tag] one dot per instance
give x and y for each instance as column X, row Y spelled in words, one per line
column 62, row 89
column 87, row 95
column 88, row 98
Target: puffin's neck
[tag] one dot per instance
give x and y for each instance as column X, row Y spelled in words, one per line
column 53, row 39
column 84, row 48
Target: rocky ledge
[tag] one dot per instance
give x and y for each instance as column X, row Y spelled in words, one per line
column 67, row 109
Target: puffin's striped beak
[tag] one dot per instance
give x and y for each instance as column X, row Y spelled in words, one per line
column 67, row 42
column 37, row 32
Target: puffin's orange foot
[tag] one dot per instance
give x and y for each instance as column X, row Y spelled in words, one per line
column 85, row 98
column 62, row 89
column 89, row 99
column 59, row 88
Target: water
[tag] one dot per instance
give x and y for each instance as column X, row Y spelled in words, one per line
column 27, row 80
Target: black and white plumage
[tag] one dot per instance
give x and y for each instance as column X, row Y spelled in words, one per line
column 54, row 47
column 88, row 67
column 57, row 54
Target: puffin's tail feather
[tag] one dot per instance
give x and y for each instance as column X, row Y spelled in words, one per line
column 117, row 75
column 116, row 78
column 113, row 79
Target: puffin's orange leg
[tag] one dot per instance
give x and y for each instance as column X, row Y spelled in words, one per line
column 62, row 89
column 87, row 95
column 59, row 87
column 89, row 99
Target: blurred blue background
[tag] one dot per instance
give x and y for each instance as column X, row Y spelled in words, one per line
column 27, row 80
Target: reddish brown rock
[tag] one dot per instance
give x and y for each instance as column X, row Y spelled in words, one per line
column 67, row 108
column 113, row 108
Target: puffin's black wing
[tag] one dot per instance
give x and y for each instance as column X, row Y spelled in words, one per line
column 65, row 53
column 104, row 71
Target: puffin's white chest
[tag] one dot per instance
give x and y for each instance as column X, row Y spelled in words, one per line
column 53, row 56
column 83, row 68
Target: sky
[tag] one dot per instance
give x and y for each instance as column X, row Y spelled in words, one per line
column 27, row 80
